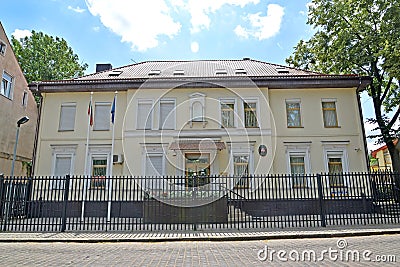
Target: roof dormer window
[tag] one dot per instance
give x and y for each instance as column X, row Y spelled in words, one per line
column 221, row 72
column 240, row 71
column 154, row 72
column 282, row 70
column 115, row 73
column 179, row 72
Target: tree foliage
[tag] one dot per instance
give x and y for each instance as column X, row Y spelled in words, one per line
column 43, row 58
column 360, row 37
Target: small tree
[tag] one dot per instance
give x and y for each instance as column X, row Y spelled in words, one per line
column 362, row 37
column 43, row 58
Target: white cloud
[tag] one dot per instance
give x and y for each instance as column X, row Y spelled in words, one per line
column 76, row 9
column 241, row 32
column 201, row 9
column 20, row 34
column 263, row 27
column 140, row 23
column 194, row 46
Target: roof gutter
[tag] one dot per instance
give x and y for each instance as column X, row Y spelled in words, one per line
column 281, row 82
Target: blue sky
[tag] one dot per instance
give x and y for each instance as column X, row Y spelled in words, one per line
column 122, row 32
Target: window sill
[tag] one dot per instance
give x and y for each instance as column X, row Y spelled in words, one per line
column 330, row 127
column 60, row 131
column 294, row 127
column 204, row 122
column 6, row 97
column 101, row 130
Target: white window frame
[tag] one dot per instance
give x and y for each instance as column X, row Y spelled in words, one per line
column 62, row 151
column 201, row 99
column 173, row 113
column 235, row 110
column 66, row 104
column 293, row 101
column 11, row 82
column 242, row 149
column 298, row 149
column 337, row 149
column 96, row 118
column 249, row 101
column 151, row 115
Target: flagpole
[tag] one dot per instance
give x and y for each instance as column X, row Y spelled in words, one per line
column 110, row 179
column 90, row 110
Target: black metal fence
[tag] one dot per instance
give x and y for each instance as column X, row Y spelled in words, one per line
column 192, row 203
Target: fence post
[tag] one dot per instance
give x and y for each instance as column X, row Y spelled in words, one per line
column 321, row 200
column 66, row 193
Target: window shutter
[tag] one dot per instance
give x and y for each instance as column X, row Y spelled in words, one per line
column 102, row 116
column 62, row 166
column 144, row 116
column 154, row 165
column 67, row 117
column 167, row 115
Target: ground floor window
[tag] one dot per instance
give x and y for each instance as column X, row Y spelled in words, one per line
column 99, row 172
column 298, row 170
column 241, row 170
column 197, row 169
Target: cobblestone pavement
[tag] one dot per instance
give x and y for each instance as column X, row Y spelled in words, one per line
column 339, row 252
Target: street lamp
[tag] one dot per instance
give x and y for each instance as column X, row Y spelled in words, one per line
column 10, row 193
column 23, row 120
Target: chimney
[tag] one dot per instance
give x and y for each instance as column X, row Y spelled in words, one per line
column 103, row 67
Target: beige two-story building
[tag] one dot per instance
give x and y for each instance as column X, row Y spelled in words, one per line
column 201, row 118
column 16, row 101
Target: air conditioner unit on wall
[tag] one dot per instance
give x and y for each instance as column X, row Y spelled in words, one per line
column 118, row 159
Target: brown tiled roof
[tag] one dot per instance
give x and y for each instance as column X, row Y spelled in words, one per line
column 198, row 68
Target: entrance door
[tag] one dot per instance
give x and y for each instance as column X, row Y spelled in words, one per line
column 197, row 169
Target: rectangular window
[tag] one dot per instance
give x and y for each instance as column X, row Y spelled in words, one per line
column 144, row 115
column 99, row 172
column 167, row 114
column 154, row 165
column 293, row 113
column 67, row 117
column 62, row 167
column 227, row 114
column 335, row 169
column 329, row 114
column 102, row 116
column 241, row 170
column 25, row 99
column 250, row 114
column 7, row 85
column 298, row 171
column 3, row 47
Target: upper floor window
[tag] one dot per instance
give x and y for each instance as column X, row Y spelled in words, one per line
column 329, row 113
column 144, row 115
column 7, row 85
column 67, row 117
column 293, row 113
column 228, row 113
column 167, row 114
column 197, row 108
column 3, row 47
column 102, row 116
column 250, row 114
column 25, row 99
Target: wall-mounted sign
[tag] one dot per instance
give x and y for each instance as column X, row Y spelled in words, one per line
column 262, row 150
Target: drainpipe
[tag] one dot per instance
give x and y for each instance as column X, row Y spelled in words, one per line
column 362, row 125
column 35, row 144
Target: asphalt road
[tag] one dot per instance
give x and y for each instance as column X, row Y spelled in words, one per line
column 382, row 250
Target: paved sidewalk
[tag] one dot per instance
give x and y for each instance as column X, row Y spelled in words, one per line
column 221, row 235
